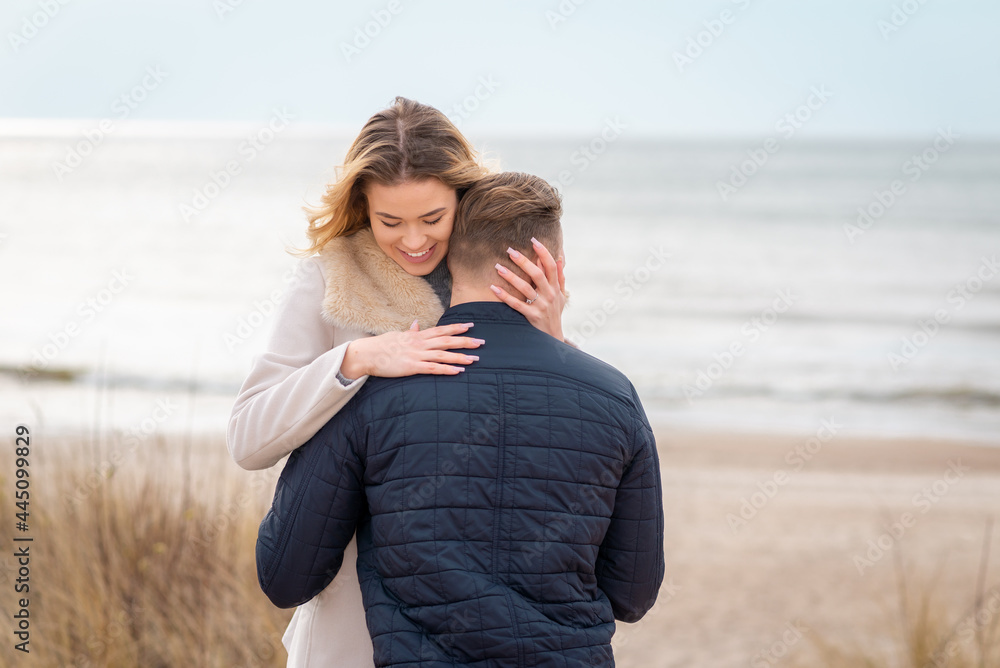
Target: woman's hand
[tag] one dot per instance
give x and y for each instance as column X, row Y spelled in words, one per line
column 396, row 354
column 542, row 301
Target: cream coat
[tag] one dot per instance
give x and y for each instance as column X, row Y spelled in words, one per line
column 350, row 290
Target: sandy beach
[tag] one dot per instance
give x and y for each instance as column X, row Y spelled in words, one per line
column 755, row 589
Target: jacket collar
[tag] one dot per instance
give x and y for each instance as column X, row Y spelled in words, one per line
column 367, row 290
column 482, row 312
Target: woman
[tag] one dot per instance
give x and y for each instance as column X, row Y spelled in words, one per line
column 364, row 304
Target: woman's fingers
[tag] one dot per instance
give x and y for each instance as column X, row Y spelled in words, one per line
column 517, row 304
column 446, row 330
column 439, row 369
column 516, row 282
column 561, row 263
column 536, row 275
column 396, row 354
column 547, row 261
column 453, row 342
column 442, row 357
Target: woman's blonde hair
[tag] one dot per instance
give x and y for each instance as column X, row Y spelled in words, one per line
column 408, row 141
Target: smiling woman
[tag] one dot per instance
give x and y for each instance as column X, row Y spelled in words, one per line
column 373, row 276
column 412, row 222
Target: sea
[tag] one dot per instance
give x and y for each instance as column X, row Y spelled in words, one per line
column 851, row 283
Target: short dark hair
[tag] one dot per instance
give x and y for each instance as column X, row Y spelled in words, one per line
column 500, row 211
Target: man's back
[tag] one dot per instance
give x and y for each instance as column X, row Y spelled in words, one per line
column 507, row 514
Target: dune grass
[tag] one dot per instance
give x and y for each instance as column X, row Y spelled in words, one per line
column 923, row 627
column 137, row 563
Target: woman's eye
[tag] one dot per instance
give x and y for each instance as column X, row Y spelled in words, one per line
column 390, row 224
column 436, row 220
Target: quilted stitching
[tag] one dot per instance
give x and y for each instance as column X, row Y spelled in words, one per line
column 506, row 516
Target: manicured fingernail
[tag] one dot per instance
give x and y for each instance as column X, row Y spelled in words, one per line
column 513, row 253
column 470, row 324
column 472, row 358
column 480, row 342
column 536, row 241
column 502, row 269
column 461, row 369
column 495, row 289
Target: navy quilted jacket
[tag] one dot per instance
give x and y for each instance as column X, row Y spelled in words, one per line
column 506, row 516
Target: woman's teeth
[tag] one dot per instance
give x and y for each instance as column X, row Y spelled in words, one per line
column 418, row 258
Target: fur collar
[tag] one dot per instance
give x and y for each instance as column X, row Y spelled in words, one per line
column 367, row 290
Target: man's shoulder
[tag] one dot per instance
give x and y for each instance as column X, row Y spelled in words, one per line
column 547, row 361
column 583, row 367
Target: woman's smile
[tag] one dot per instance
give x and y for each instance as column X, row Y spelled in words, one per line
column 412, row 222
column 417, row 258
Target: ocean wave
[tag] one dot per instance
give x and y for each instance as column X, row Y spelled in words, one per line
column 85, row 377
column 905, row 321
column 957, row 396
column 954, row 396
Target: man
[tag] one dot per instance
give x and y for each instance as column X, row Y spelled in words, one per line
column 506, row 516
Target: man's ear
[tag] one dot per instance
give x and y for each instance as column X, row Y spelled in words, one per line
column 561, row 267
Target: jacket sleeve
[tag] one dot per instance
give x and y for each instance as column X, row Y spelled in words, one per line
column 292, row 389
column 317, row 502
column 630, row 561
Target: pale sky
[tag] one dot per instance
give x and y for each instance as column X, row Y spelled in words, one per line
column 536, row 70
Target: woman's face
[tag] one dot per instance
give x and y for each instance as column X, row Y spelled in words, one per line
column 412, row 222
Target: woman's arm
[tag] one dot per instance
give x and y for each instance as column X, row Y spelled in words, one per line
column 292, row 389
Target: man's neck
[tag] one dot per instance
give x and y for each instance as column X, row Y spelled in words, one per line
column 463, row 294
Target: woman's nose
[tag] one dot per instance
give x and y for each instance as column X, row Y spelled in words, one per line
column 413, row 239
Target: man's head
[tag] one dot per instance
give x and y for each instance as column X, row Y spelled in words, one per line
column 501, row 211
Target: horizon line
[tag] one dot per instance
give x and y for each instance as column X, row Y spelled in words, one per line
column 39, row 128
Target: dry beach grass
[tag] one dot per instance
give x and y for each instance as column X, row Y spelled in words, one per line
column 147, row 562
column 143, row 556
